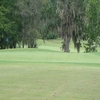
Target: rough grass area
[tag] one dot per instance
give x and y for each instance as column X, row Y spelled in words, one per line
column 46, row 73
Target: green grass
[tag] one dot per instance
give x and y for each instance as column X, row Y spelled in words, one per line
column 47, row 73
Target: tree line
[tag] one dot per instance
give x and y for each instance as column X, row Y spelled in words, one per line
column 22, row 22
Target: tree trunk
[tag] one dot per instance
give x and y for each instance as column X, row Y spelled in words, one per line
column 66, row 43
column 22, row 44
column 23, row 33
column 95, row 46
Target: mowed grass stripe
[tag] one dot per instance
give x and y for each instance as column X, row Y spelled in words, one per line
column 20, row 82
column 36, row 55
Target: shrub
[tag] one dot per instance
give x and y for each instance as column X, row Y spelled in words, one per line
column 52, row 35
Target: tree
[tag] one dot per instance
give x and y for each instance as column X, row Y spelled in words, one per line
column 8, row 25
column 5, row 27
column 72, row 17
column 50, row 19
column 93, row 26
column 29, row 10
column 23, row 21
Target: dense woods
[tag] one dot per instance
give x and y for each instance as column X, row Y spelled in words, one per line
column 22, row 22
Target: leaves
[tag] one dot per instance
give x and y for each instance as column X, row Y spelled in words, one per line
column 50, row 17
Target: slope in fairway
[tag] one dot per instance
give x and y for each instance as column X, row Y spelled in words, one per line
column 47, row 73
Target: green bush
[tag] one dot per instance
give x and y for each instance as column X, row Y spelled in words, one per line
column 52, row 35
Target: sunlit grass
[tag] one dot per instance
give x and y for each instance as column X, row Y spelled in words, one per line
column 47, row 73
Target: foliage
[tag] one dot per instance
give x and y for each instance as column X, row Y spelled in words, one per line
column 72, row 22
column 22, row 22
column 50, row 18
column 52, row 35
column 7, row 28
column 29, row 12
column 93, row 26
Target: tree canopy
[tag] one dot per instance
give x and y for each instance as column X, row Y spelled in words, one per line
column 22, row 22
